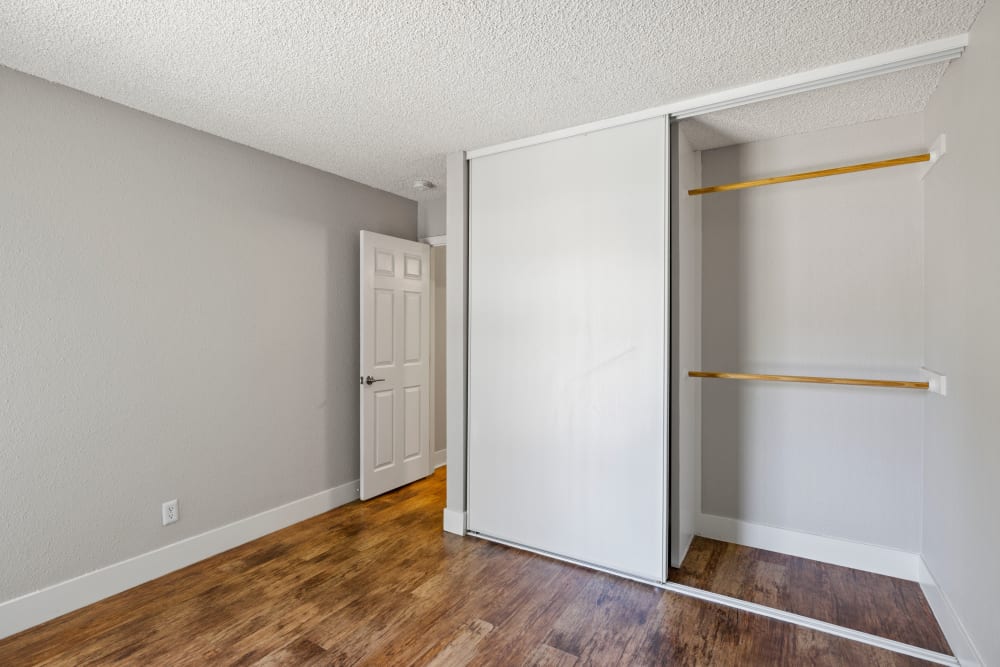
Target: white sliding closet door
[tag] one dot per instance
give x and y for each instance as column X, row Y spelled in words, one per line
column 567, row 342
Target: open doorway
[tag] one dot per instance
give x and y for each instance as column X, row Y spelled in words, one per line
column 402, row 411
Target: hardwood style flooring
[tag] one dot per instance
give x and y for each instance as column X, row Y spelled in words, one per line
column 876, row 604
column 378, row 583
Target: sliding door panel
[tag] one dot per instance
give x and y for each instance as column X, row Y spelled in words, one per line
column 567, row 341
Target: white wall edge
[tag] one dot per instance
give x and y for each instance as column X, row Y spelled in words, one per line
column 847, row 553
column 454, row 522
column 939, row 50
column 456, row 327
column 435, row 240
column 439, row 458
column 683, row 551
column 952, row 627
column 48, row 603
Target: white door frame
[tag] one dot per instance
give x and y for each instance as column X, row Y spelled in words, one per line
column 434, row 242
column 457, row 214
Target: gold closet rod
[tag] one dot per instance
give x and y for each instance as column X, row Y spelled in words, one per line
column 896, row 384
column 895, row 162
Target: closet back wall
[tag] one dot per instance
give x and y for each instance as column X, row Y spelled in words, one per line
column 820, row 277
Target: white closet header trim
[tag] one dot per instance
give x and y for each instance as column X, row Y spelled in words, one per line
column 939, row 50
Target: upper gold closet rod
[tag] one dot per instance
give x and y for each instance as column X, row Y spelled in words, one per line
column 895, row 162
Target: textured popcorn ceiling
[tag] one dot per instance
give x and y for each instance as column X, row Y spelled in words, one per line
column 857, row 102
column 379, row 90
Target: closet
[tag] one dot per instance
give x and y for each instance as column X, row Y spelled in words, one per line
column 799, row 391
column 695, row 358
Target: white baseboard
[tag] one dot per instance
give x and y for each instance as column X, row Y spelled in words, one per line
column 857, row 555
column 29, row 610
column 454, row 521
column 439, row 458
column 959, row 640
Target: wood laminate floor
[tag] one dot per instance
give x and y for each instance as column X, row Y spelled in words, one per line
column 378, row 583
column 873, row 603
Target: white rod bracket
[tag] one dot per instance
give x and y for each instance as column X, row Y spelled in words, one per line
column 937, row 383
column 938, row 149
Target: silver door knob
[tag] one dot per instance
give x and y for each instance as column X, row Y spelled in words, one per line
column 370, row 380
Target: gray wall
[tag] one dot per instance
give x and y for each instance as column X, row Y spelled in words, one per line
column 178, row 319
column 685, row 344
column 431, row 218
column 961, row 531
column 818, row 277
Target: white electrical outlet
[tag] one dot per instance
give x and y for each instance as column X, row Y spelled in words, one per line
column 170, row 512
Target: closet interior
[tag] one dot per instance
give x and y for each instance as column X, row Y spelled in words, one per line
column 798, row 387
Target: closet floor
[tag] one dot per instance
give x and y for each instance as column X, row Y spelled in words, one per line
column 873, row 603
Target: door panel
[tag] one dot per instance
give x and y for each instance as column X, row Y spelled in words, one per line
column 385, row 428
column 384, row 328
column 567, row 347
column 413, row 325
column 395, row 350
column 412, row 404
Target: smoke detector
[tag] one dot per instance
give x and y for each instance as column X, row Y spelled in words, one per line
column 423, row 185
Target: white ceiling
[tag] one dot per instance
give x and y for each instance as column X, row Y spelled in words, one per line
column 379, row 90
column 875, row 98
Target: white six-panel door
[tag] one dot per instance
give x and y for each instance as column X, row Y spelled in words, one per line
column 567, row 348
column 395, row 365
